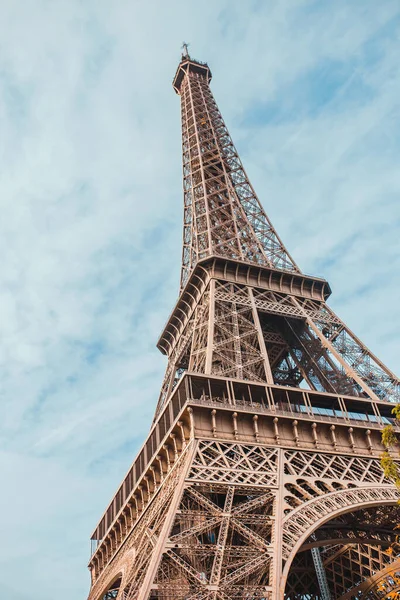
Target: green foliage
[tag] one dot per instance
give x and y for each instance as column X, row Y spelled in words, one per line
column 389, row 438
column 390, row 468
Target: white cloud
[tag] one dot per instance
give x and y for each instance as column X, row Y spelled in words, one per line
column 90, row 226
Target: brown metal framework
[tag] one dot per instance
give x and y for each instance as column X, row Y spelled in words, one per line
column 260, row 478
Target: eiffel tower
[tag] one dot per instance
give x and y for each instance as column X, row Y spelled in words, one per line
column 260, row 478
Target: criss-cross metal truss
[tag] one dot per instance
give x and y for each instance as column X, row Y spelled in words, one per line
column 260, row 478
column 222, row 214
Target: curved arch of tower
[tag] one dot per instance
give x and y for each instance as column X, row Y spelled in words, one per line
column 260, row 478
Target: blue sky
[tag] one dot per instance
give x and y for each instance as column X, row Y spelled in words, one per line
column 91, row 211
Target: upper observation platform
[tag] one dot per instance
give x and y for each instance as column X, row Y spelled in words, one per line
column 188, row 65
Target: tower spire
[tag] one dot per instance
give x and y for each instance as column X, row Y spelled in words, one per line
column 222, row 214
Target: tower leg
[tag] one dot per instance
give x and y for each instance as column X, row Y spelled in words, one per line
column 162, row 538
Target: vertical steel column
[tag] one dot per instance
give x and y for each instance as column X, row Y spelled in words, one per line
column 320, row 572
column 210, row 333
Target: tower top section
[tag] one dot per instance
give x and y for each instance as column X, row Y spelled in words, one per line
column 222, row 214
column 188, row 65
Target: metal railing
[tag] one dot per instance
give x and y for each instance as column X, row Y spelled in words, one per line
column 260, row 408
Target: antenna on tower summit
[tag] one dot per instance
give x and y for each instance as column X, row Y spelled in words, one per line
column 185, row 53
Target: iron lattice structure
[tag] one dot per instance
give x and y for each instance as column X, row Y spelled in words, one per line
column 260, row 478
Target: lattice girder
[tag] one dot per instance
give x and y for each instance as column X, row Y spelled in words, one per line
column 231, row 550
column 244, row 332
column 222, row 214
column 216, row 531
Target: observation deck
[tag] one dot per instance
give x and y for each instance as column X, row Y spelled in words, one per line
column 189, row 65
column 211, row 406
column 243, row 273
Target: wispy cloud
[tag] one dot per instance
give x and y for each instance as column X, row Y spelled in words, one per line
column 90, row 227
